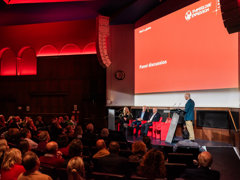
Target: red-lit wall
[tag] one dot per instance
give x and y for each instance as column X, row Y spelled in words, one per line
column 47, row 39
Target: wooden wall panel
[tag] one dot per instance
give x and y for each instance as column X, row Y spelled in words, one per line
column 60, row 83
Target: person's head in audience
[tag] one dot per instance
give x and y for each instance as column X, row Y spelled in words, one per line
column 11, row 157
column 75, row 169
column 66, row 118
column 62, row 140
column 78, row 132
column 75, row 148
column 148, row 142
column 3, row 148
column 104, row 133
column 139, row 147
column 13, row 135
column 44, row 136
column 114, row 147
column 26, row 133
column 52, row 147
column 153, row 165
column 187, row 96
column 90, row 128
column 205, row 159
column 30, row 162
column 2, row 121
column 100, row 144
column 60, row 120
column 23, row 146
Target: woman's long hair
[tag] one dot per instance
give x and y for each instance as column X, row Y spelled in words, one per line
column 11, row 157
column 153, row 165
column 75, row 169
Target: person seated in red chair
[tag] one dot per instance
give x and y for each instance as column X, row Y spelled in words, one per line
column 143, row 116
column 52, row 157
column 154, row 118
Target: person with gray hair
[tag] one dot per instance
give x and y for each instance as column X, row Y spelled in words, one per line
column 189, row 116
column 52, row 157
column 203, row 171
column 31, row 164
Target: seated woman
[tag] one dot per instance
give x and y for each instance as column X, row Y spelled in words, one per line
column 11, row 165
column 153, row 165
column 75, row 169
column 124, row 117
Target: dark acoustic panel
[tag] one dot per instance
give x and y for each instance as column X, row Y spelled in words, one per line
column 231, row 15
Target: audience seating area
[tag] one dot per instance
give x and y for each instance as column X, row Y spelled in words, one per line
column 175, row 162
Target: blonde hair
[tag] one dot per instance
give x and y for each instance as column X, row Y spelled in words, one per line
column 3, row 146
column 11, row 157
column 75, row 168
column 126, row 111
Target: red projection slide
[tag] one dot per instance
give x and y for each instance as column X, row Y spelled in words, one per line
column 189, row 49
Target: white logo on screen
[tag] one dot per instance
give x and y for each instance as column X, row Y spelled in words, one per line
column 188, row 15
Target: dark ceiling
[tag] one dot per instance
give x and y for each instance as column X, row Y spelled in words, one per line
column 119, row 11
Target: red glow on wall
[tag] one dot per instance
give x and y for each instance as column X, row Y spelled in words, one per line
column 38, row 1
column 27, row 62
column 90, row 48
column 8, row 62
column 70, row 49
column 48, row 50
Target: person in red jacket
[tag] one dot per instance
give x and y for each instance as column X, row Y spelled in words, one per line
column 11, row 165
column 52, row 157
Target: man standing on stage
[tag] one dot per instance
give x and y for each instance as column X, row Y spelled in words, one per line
column 144, row 115
column 189, row 116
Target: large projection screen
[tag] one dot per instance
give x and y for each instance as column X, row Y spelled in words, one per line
column 187, row 50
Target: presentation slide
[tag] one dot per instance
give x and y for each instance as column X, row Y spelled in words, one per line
column 189, row 49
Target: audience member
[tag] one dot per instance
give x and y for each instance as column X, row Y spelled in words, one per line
column 204, row 169
column 55, row 129
column 138, row 149
column 148, row 142
column 26, row 134
column 12, row 135
column 40, row 123
column 3, row 147
column 102, row 150
column 2, row 121
column 44, row 138
column 52, row 157
column 31, row 164
column 75, row 169
column 113, row 163
column 78, row 132
column 89, row 137
column 11, row 165
column 153, row 165
column 75, row 148
column 24, row 147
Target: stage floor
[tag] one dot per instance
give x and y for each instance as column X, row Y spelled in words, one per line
column 157, row 142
